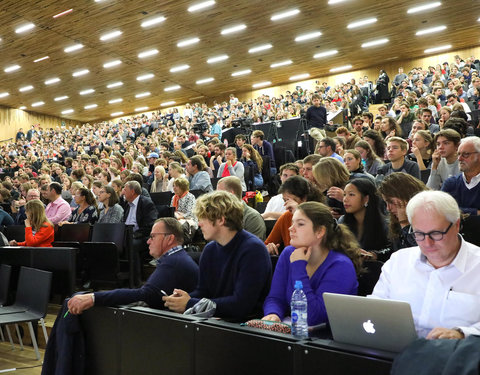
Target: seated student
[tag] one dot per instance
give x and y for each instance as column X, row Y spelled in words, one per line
column 422, row 149
column 323, row 255
column 353, row 162
column 368, row 155
column 295, row 190
column 197, row 177
column 232, row 167
column 364, row 216
column 444, row 158
column 439, row 278
column 86, row 211
column 235, row 268
column 112, row 212
column 252, row 158
column 397, row 148
column 276, row 205
column 184, row 202
column 175, row 268
column 38, row 229
column 396, row 190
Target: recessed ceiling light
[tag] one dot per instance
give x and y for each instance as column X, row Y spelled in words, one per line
column 361, row 23
column 143, row 94
column 374, row 43
column 12, row 68
column 67, row 111
column 308, row 36
column 111, row 64
column 436, row 49
column 241, row 72
column 145, row 77
column 164, row 104
column 141, row 109
column 215, row 59
column 331, row 2
column 87, row 91
column 41, row 59
column 153, row 21
column 72, row 48
column 288, row 13
column 4, row 94
column 340, row 68
column 117, row 100
column 116, row 114
column 205, row 80
column 200, row 6
column 110, row 35
column 281, row 63
column 79, row 73
column 430, row 30
column 25, row 88
column 260, row 48
column 52, row 81
column 197, row 97
column 325, row 54
column 179, row 68
column 148, row 53
column 299, row 77
column 172, row 88
column 22, row 107
column 188, row 42
column 24, row 28
column 37, row 104
column 91, row 106
column 63, row 13
column 423, row 7
column 261, row 84
column 60, row 98
column 233, row 29
column 115, row 84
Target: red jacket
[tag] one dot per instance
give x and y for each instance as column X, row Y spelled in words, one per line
column 43, row 238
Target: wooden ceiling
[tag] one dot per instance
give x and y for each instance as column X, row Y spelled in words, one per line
column 91, row 19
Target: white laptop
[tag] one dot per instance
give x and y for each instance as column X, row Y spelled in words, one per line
column 370, row 322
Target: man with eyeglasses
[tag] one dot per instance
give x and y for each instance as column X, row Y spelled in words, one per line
column 439, row 278
column 175, row 268
column 465, row 187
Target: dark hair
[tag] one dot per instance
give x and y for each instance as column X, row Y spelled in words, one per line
column 89, row 197
column 450, row 134
column 374, row 237
column 172, row 226
column 329, row 142
column 337, row 236
column 57, row 187
column 135, row 177
column 113, row 195
column 379, row 143
column 197, row 161
column 457, row 123
column 301, row 188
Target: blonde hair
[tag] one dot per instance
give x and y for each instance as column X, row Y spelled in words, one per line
column 330, row 172
column 182, row 183
column 221, row 204
column 37, row 218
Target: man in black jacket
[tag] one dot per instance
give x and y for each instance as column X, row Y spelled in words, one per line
column 316, row 114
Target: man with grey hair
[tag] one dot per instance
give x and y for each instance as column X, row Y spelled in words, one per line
column 465, row 187
column 439, row 278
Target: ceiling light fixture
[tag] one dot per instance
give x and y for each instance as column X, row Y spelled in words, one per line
column 361, row 23
column 91, row 106
column 148, row 53
column 63, row 13
column 87, row 91
column 60, row 98
column 12, row 68
column 4, row 94
column 114, row 84
column 437, row 49
column 188, row 42
column 153, row 21
column 145, row 77
column 22, row 107
column 331, row 2
column 143, row 94
column 423, row 7
column 72, row 48
column 164, row 104
column 325, row 54
column 172, row 88
column 216, row 59
column 308, row 36
column 261, row 84
column 205, row 80
column 340, row 68
column 374, row 43
column 141, row 109
column 52, row 81
column 25, row 88
column 288, row 13
column 117, row 100
column 41, row 59
column 233, row 29
column 430, row 30
column 200, row 6
column 116, row 114
column 37, row 104
column 281, row 63
column 79, row 73
column 110, row 35
column 24, row 28
column 179, row 68
column 260, row 48
column 111, row 64
column 298, row 77
column 67, row 111
column 241, row 72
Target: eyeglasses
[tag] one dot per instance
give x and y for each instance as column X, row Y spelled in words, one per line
column 152, row 235
column 466, row 155
column 435, row 235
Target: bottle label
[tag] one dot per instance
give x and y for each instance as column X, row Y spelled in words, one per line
column 294, row 317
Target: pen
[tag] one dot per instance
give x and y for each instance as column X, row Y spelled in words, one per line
column 66, row 313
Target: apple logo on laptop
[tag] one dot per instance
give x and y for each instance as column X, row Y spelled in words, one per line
column 368, row 326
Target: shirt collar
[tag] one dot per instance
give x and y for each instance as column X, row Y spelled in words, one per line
column 173, row 250
column 473, row 182
column 135, row 201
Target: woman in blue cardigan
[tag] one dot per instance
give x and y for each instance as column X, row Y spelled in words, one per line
column 324, row 255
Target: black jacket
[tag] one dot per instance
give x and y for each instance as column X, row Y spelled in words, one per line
column 146, row 215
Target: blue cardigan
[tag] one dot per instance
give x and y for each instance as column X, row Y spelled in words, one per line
column 235, row 276
column 467, row 199
column 335, row 275
column 177, row 270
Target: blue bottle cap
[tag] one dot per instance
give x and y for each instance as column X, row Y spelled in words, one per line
column 298, row 284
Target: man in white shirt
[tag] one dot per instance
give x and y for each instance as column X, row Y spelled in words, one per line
column 440, row 278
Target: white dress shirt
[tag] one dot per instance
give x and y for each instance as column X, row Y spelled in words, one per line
column 132, row 214
column 447, row 297
column 276, row 204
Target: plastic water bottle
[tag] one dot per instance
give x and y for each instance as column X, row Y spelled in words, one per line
column 298, row 306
